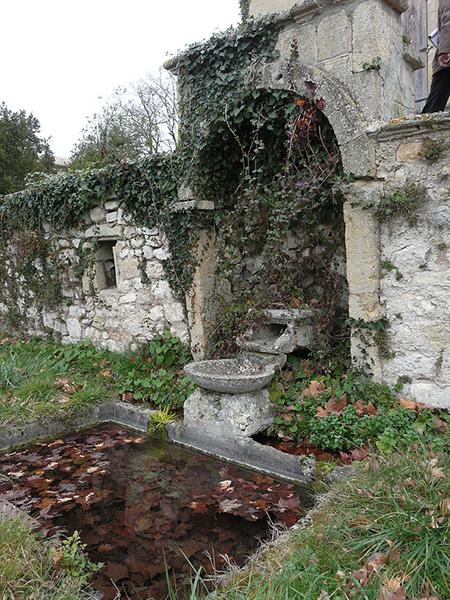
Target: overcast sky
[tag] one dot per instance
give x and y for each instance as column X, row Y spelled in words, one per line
column 60, row 56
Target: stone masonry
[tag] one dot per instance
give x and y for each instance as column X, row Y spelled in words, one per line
column 120, row 314
column 356, row 54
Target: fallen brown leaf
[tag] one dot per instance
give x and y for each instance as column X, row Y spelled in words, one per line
column 376, row 562
column 57, row 559
column 315, row 388
column 410, row 404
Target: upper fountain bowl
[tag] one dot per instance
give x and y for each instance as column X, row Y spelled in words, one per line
column 231, row 376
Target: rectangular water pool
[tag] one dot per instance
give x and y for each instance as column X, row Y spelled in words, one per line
column 143, row 505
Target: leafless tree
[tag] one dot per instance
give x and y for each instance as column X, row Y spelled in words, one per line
column 136, row 121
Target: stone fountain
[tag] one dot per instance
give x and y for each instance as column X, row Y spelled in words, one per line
column 232, row 395
column 232, row 401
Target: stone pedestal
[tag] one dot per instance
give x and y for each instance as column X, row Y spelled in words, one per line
column 230, row 414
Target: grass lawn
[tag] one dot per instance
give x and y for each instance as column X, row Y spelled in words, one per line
column 381, row 535
column 41, row 379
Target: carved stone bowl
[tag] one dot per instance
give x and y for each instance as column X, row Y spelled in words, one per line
column 231, row 376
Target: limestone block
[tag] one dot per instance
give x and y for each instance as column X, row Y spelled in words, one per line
column 111, row 217
column 147, row 252
column 161, row 254
column 180, row 331
column 339, row 67
column 112, row 205
column 237, row 414
column 431, row 394
column 154, row 270
column 129, row 268
column 97, row 214
column 334, row 36
column 363, row 260
column 156, row 313
column 258, row 8
column 174, row 312
column 73, row 328
column 128, row 298
column 104, row 231
column 136, row 242
column 413, row 364
column 161, row 289
column 373, row 31
column 301, row 39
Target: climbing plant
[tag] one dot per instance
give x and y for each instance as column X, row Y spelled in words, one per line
column 244, row 8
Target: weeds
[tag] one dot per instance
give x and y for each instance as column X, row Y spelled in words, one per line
column 340, row 411
column 31, row 567
column 43, row 379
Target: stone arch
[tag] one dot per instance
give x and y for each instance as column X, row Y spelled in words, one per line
column 341, row 110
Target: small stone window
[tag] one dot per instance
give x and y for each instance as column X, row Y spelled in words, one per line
column 105, row 265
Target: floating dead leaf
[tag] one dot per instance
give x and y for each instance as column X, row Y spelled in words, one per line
column 199, row 507
column 116, row 571
column 229, row 506
column 315, row 388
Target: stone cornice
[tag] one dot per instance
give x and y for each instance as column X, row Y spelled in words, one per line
column 417, row 125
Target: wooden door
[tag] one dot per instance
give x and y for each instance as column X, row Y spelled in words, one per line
column 416, row 29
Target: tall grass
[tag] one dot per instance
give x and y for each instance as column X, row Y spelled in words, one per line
column 27, row 570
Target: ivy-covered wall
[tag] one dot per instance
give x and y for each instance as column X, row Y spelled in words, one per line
column 64, row 234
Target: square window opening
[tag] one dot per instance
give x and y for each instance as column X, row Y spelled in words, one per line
column 105, row 265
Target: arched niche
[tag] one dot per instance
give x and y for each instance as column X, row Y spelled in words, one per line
column 343, row 113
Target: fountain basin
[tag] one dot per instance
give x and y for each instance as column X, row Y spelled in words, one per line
column 231, row 376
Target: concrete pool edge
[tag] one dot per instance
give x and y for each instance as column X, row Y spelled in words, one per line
column 241, row 451
column 245, row 452
column 120, row 413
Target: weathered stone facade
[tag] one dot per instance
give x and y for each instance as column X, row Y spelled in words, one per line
column 415, row 296
column 355, row 52
column 137, row 305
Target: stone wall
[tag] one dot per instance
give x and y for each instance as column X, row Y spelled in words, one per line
column 129, row 305
column 398, row 267
column 415, row 295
